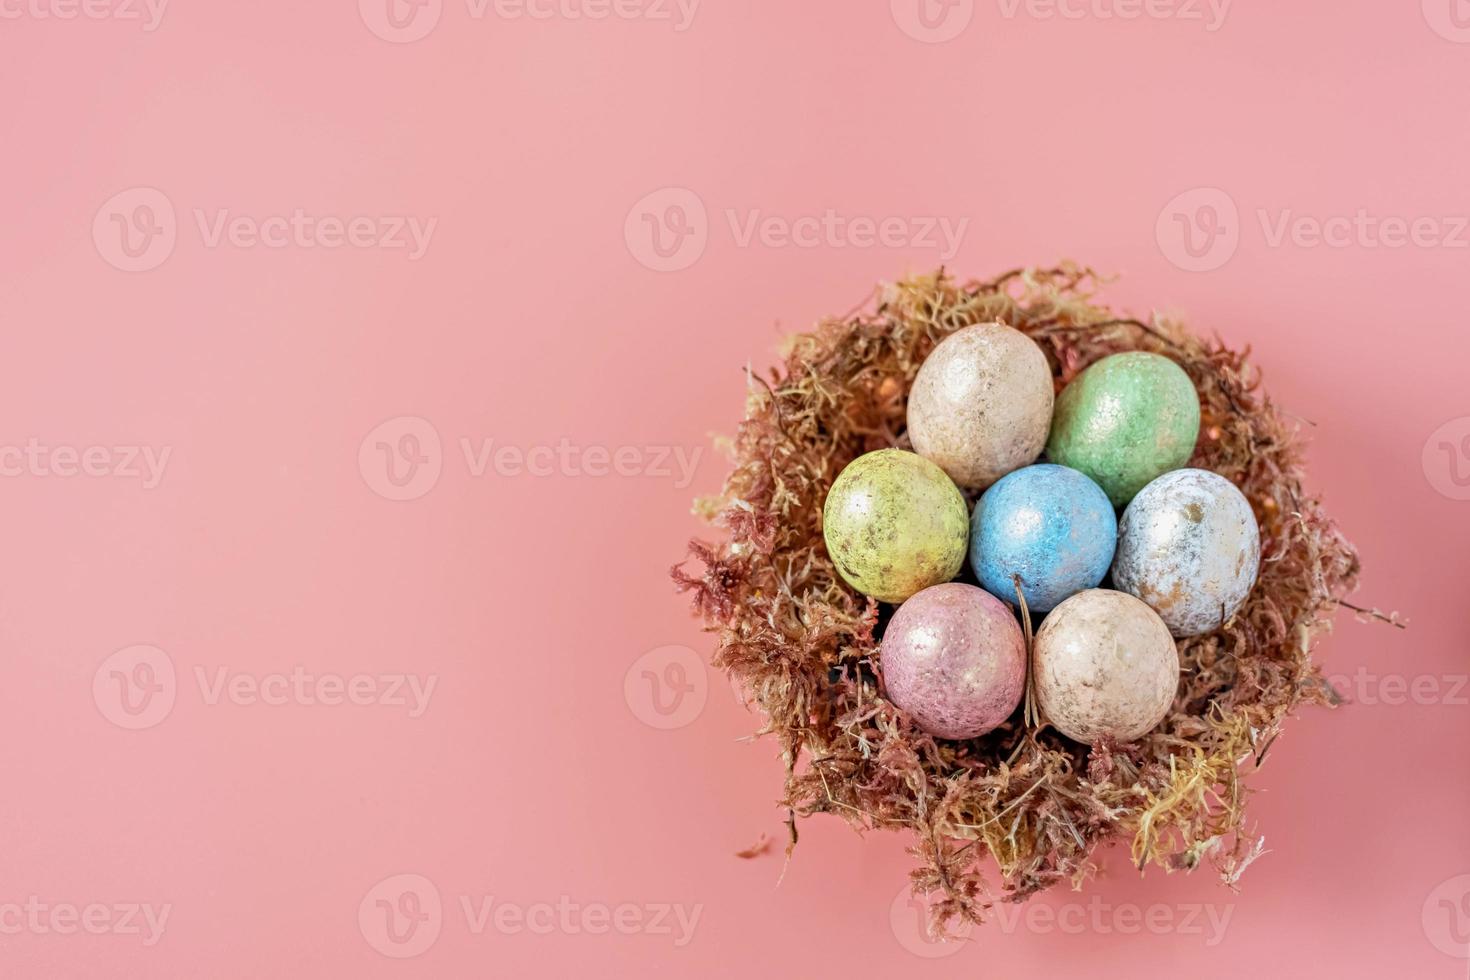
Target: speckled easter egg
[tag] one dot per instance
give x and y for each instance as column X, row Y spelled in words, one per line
column 981, row 404
column 1124, row 421
column 953, row 657
column 895, row 524
column 1047, row 524
column 1104, row 665
column 1189, row 546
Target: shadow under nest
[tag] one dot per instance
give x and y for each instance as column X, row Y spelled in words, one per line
column 803, row 645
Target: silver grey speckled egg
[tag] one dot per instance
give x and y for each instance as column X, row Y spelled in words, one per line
column 1188, row 545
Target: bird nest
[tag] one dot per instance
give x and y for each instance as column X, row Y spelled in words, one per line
column 803, row 646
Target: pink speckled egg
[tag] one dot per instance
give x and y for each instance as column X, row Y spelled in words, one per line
column 953, row 657
column 981, row 404
column 1104, row 665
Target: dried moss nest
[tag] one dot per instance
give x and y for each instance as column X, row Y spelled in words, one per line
column 803, row 646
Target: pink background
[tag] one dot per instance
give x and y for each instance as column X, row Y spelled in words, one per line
column 537, row 317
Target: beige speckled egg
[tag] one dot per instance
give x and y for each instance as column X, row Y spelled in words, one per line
column 981, row 404
column 1104, row 665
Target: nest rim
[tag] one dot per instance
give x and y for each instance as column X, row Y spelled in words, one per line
column 803, row 645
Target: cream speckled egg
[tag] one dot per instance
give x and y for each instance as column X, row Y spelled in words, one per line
column 981, row 404
column 1104, row 664
column 1188, row 545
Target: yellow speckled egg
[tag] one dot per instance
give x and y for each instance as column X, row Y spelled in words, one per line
column 895, row 524
column 981, row 404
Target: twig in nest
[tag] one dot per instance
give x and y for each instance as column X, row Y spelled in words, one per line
column 1391, row 619
column 1031, row 716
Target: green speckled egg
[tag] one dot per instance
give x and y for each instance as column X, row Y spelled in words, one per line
column 1125, row 420
column 895, row 524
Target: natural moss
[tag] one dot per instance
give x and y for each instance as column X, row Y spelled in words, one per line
column 804, row 645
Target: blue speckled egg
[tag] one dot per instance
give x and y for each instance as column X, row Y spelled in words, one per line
column 1050, row 525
